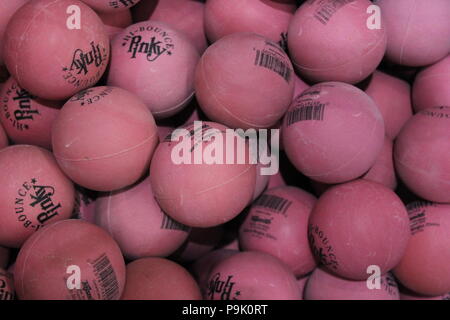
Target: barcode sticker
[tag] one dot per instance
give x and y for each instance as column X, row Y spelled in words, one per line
column 270, row 61
column 107, row 277
column 272, row 202
column 416, row 205
column 170, row 224
column 309, row 111
column 328, row 8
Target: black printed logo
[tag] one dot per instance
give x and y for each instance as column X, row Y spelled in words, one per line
column 22, row 111
column 222, row 288
column 86, row 97
column 33, row 195
column 139, row 42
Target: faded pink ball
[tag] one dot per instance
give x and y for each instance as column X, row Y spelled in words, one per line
column 157, row 63
column 196, row 185
column 35, row 193
column 424, row 266
column 27, row 119
column 244, row 80
column 330, row 41
column 393, row 98
column 422, row 153
column 41, row 270
column 104, row 138
column 333, row 132
column 277, row 224
column 356, row 225
column 418, row 31
column 431, row 86
column 134, row 219
column 50, row 60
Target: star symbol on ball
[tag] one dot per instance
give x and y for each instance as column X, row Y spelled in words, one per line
column 33, row 181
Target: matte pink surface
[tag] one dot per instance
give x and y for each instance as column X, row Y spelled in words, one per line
column 7, row 10
column 157, row 63
column 323, row 285
column 422, row 153
column 265, row 17
column 424, row 266
column 27, row 119
column 333, row 132
column 40, row 272
column 278, row 224
column 201, row 195
column 252, row 276
column 159, row 279
column 358, row 224
column 383, row 170
column 431, row 86
column 393, row 98
column 330, row 41
column 35, row 192
column 47, row 58
column 104, row 138
column 419, row 31
column 134, row 219
column 244, row 81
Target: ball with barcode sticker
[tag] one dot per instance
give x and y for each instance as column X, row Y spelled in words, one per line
column 356, row 225
column 157, row 63
column 336, row 40
column 424, row 266
column 49, row 69
column 431, row 85
column 27, row 119
column 35, row 193
column 70, row 260
column 422, row 153
column 323, row 285
column 197, row 176
column 418, row 31
column 333, row 132
column 267, row 18
column 99, row 143
column 159, row 279
column 244, row 80
column 111, row 5
column 134, row 219
column 277, row 223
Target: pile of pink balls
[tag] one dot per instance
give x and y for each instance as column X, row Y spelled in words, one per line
column 93, row 205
